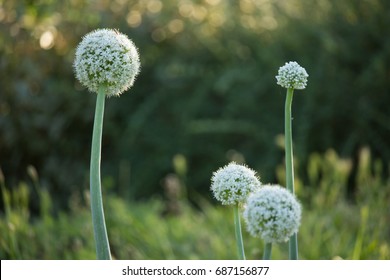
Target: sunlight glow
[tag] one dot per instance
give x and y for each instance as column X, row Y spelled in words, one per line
column 46, row 41
column 134, row 18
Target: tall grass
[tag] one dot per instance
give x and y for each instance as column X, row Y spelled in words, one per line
column 355, row 226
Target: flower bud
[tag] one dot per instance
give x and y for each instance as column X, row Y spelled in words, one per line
column 291, row 75
column 106, row 58
column 233, row 183
column 273, row 214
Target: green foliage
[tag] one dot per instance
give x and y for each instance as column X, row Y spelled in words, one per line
column 207, row 88
column 333, row 227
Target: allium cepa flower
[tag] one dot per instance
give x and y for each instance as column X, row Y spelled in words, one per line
column 233, row 183
column 272, row 213
column 106, row 58
column 292, row 75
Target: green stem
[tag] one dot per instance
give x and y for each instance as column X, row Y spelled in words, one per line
column 293, row 244
column 267, row 251
column 237, row 226
column 99, row 225
column 288, row 141
column 293, row 247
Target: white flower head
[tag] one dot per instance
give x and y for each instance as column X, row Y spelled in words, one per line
column 233, row 183
column 273, row 214
column 292, row 75
column 106, row 58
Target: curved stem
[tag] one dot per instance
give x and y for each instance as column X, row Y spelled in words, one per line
column 293, row 244
column 267, row 251
column 237, row 226
column 99, row 225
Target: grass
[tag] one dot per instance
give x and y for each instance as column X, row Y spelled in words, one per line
column 333, row 226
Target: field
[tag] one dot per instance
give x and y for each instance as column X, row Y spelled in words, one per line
column 335, row 225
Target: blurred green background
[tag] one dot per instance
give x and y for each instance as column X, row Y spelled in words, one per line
column 206, row 95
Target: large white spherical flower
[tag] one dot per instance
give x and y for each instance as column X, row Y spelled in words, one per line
column 292, row 75
column 106, row 58
column 273, row 214
column 233, row 183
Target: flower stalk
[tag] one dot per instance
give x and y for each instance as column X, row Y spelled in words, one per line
column 293, row 243
column 291, row 76
column 267, row 251
column 238, row 232
column 231, row 185
column 288, row 141
column 107, row 63
column 99, row 225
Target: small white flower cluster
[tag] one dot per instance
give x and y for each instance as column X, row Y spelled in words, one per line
column 273, row 214
column 292, row 75
column 233, row 183
column 106, row 58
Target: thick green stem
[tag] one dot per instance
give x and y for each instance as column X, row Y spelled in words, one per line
column 293, row 244
column 288, row 141
column 99, row 225
column 267, row 251
column 237, row 226
column 293, row 247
